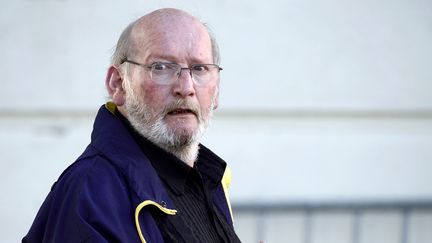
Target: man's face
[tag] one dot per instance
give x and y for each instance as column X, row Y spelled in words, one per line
column 174, row 114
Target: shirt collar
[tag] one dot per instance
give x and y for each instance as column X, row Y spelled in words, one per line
column 211, row 166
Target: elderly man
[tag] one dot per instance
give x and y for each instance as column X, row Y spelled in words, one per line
column 145, row 176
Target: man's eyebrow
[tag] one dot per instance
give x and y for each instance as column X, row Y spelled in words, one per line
column 163, row 57
column 172, row 58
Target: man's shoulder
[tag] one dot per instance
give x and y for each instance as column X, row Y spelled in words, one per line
column 92, row 170
column 90, row 191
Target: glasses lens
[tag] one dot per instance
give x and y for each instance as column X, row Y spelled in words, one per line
column 204, row 73
column 164, row 73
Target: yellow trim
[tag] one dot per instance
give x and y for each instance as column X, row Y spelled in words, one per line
column 226, row 181
column 141, row 206
column 111, row 106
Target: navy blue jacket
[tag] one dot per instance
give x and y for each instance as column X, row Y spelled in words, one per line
column 107, row 194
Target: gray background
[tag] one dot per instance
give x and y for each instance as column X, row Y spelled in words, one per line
column 320, row 100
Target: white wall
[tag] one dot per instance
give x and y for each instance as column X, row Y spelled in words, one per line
column 321, row 100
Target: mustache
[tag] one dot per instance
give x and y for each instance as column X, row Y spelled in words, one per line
column 184, row 104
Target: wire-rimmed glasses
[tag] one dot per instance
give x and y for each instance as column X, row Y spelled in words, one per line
column 166, row 73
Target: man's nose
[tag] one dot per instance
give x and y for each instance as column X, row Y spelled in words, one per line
column 184, row 86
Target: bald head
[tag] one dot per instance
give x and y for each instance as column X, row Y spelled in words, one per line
column 164, row 19
column 167, row 24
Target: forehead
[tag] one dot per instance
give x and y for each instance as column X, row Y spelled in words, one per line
column 180, row 40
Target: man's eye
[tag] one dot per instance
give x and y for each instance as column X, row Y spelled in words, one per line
column 200, row 68
column 159, row 66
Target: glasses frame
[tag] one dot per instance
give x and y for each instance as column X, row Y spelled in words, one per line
column 190, row 67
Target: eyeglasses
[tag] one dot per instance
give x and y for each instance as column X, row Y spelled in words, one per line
column 166, row 73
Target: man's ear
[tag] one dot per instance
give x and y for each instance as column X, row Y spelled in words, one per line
column 114, row 84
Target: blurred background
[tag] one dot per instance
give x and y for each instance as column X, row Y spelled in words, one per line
column 325, row 114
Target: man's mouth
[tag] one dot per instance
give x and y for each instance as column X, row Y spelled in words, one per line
column 181, row 111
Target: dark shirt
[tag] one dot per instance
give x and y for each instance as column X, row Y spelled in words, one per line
column 197, row 218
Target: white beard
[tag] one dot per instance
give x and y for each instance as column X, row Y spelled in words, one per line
column 151, row 124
